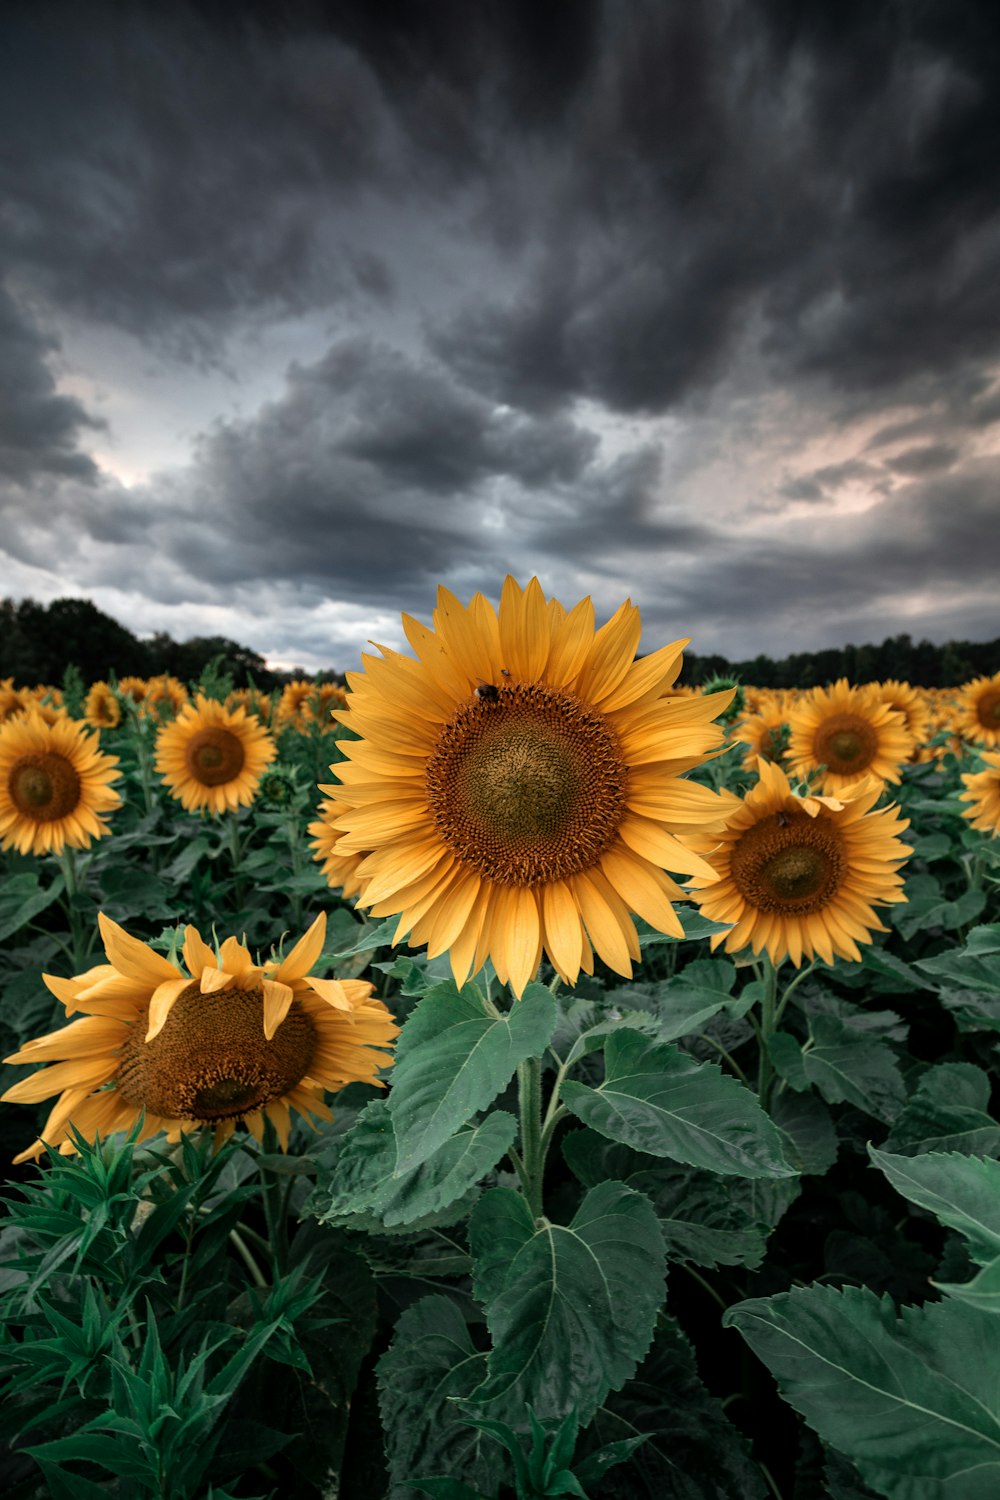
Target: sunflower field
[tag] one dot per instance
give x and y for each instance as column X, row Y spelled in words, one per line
column 515, row 1074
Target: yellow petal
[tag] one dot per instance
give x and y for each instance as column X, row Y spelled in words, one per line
column 132, row 958
column 522, row 938
column 159, row 1006
column 197, row 954
column 332, row 991
column 297, row 963
column 277, row 1001
column 563, row 933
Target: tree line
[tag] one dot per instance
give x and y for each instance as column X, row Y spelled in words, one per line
column 38, row 642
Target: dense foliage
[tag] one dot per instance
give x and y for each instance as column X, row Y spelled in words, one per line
column 653, row 1288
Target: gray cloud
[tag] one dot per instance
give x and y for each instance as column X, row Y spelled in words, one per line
column 39, row 428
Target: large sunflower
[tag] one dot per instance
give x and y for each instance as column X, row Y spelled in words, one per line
column 230, row 1041
column 983, row 795
column 851, row 732
column 518, row 787
column 800, row 875
column 54, row 785
column 341, row 871
column 212, row 757
column 978, row 715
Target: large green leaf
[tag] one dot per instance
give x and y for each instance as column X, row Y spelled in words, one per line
column 22, row 898
column 694, row 1453
column 807, row 1128
column 927, row 907
column 363, row 1179
column 571, row 1308
column 913, row 1400
column 430, row 1365
column 983, row 1291
column 685, row 1002
column 452, row 1059
column 702, row 1217
column 962, row 1191
column 658, row 1099
column 948, row 1111
column 845, row 1064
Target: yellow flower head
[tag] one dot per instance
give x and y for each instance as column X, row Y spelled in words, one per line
column 229, row 1041
column 102, row 709
column 978, row 716
column 851, row 732
column 212, row 757
column 54, row 785
column 800, row 875
column 983, row 795
column 517, row 789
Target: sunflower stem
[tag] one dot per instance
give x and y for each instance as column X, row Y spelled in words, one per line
column 242, row 1249
column 80, row 938
column 802, row 974
column 768, row 1025
column 529, row 1080
column 235, row 847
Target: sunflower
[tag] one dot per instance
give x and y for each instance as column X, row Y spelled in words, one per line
column 251, row 699
column 983, row 795
column 165, row 696
column 292, row 711
column 230, row 1041
column 911, row 703
column 211, row 757
column 54, row 786
column 765, row 735
column 799, row 875
column 978, row 715
column 13, row 701
column 341, row 871
column 849, row 731
column 102, row 709
column 133, row 688
column 517, row 789
column 326, row 697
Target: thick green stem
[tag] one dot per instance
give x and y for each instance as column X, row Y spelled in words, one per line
column 232, row 828
column 765, row 1071
column 293, row 833
column 529, row 1079
column 802, row 974
column 80, row 939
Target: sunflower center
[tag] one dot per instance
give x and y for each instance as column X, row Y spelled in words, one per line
column 43, row 786
column 789, row 863
column 211, row 1061
column 214, row 756
column 988, row 710
column 527, row 787
column 846, row 743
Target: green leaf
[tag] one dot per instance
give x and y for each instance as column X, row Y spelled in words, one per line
column 452, row 1059
column 785, row 1052
column 364, row 1180
column 926, row 907
column 571, row 1308
column 846, row 1064
column 700, row 1213
column 807, row 1127
column 693, row 1451
column 983, row 1291
column 431, row 1365
column 914, row 1401
column 962, row 1191
column 948, row 1111
column 686, row 1002
column 694, row 924
column 22, row 898
column 658, row 1099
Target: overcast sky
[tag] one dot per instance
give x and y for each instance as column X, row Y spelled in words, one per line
column 306, row 308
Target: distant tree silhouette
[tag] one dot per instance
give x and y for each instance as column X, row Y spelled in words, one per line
column 38, row 642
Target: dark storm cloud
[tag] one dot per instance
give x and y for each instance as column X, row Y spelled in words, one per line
column 39, row 429
column 924, row 460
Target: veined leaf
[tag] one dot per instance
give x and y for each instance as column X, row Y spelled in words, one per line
column 571, row 1308
column 430, row 1365
column 452, row 1059
column 983, row 1291
column 364, row 1180
column 846, row 1064
column 962, row 1191
column 686, row 1002
column 658, row 1099
column 947, row 1112
column 914, row 1401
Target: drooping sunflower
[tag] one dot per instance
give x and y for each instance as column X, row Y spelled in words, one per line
column 517, row 789
column 165, row 696
column 983, row 795
column 800, row 875
column 253, row 701
column 851, row 732
column 228, row 1042
column 978, row 716
column 212, row 757
column 102, row 709
column 765, row 735
column 133, row 687
column 292, row 711
column 912, row 704
column 54, row 785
